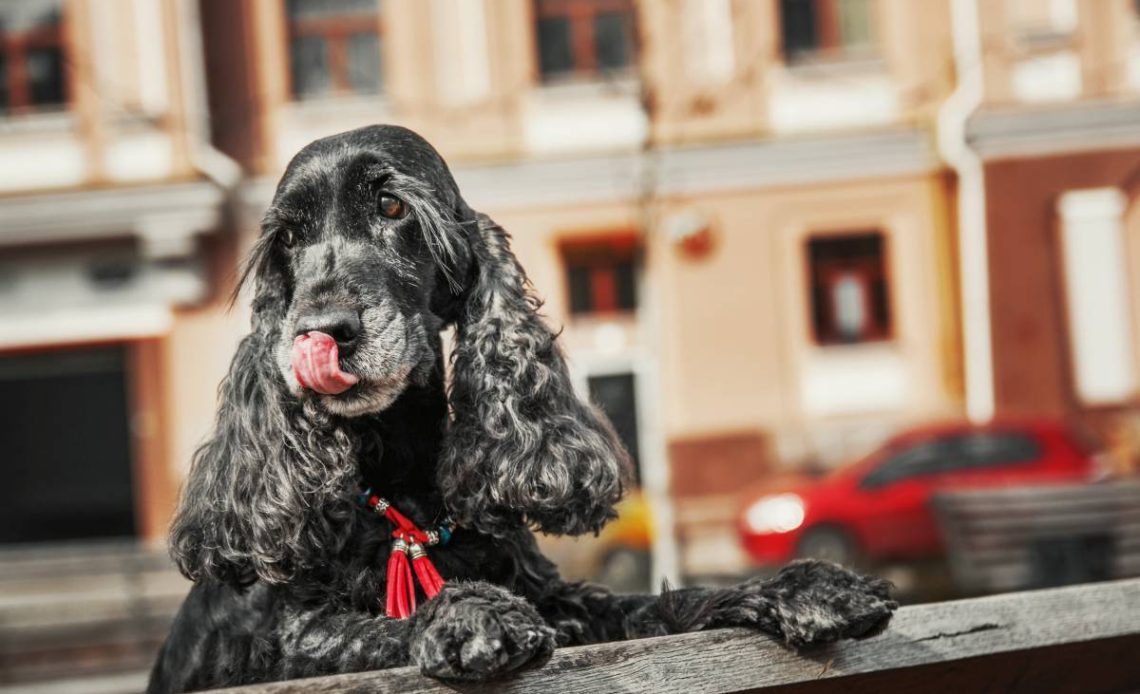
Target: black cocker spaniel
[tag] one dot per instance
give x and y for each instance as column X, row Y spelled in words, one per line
column 367, row 252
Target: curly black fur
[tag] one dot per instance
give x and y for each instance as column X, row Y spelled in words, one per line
column 522, row 447
column 290, row 572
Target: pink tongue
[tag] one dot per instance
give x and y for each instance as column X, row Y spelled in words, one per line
column 316, row 364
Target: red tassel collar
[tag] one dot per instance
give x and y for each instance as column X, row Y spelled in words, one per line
column 408, row 555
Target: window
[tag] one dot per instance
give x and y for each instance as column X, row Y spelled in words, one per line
column 32, row 72
column 915, row 460
column 850, row 297
column 583, row 38
column 977, row 450
column 616, row 396
column 997, row 449
column 334, row 47
column 601, row 274
column 826, row 28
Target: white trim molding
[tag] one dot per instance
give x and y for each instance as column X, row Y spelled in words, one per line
column 812, row 99
column 741, row 165
column 166, row 217
column 68, row 326
column 1087, row 126
column 1052, row 77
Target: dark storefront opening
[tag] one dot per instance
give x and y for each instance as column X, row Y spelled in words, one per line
column 65, row 437
column 617, row 396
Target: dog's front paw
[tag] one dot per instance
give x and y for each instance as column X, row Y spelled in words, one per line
column 813, row 602
column 478, row 631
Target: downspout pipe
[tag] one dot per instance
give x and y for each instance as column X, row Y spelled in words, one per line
column 973, row 255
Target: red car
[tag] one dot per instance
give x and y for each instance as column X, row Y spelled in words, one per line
column 877, row 509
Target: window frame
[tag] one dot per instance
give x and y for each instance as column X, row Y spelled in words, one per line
column 880, row 331
column 1034, row 449
column 958, row 458
column 581, row 14
column 873, row 479
column 624, row 246
column 14, row 46
column 335, row 31
column 828, row 35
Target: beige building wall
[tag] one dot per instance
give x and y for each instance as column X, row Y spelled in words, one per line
column 740, row 342
column 719, row 345
column 722, row 343
column 711, row 71
column 118, row 173
column 1058, row 136
column 730, row 331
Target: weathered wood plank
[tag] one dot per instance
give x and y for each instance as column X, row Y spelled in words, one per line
column 83, row 611
column 1080, row 668
column 950, row 640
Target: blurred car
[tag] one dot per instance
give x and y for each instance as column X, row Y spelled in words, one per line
column 877, row 509
column 626, row 546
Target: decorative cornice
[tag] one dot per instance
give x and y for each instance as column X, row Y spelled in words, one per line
column 1070, row 128
column 741, row 165
column 165, row 217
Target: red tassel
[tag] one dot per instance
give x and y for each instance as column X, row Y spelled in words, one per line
column 407, row 539
column 430, row 579
column 401, row 598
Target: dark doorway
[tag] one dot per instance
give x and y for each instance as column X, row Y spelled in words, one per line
column 65, row 446
column 617, row 397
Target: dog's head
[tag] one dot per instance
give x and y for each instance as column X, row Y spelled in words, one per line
column 364, row 250
column 367, row 251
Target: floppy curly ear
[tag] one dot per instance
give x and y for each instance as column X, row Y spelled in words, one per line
column 522, row 447
column 270, row 491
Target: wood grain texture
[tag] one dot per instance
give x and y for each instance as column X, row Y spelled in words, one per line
column 1008, row 640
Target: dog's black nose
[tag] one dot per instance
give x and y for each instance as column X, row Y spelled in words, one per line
column 340, row 324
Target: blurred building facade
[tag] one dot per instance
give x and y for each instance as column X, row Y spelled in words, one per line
column 741, row 212
column 1058, row 136
column 109, row 232
column 685, row 190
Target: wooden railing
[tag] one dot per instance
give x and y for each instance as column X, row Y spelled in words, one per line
column 1075, row 639
column 84, row 617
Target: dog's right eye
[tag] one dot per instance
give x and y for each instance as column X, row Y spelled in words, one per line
column 391, row 207
column 288, row 237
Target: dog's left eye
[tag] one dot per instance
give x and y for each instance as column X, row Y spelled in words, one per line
column 392, row 207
